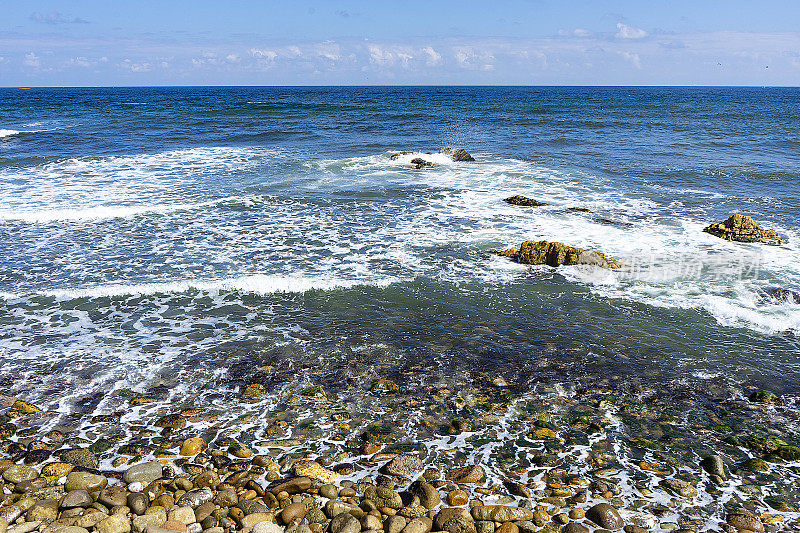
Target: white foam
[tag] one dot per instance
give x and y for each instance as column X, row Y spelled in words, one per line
column 255, row 284
column 9, row 133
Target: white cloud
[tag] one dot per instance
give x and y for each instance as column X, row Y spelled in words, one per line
column 633, row 58
column 434, row 58
column 80, row 62
column 580, row 32
column 390, row 55
column 468, row 58
column 233, row 58
column 134, row 66
column 32, row 60
column 330, row 51
column 55, row 17
column 629, row 32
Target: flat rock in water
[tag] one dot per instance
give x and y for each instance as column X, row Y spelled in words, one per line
column 467, row 474
column 741, row 228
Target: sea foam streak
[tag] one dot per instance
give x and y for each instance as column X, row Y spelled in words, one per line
column 9, row 133
column 255, row 284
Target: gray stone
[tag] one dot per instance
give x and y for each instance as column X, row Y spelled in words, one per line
column 574, row 527
column 117, row 523
column 143, row 472
column 76, row 498
column 80, row 457
column 384, row 497
column 454, row 520
column 345, row 523
column 251, row 506
column 421, row 524
column 137, row 502
column 197, row 497
column 404, row 466
column 267, row 527
column 395, row 524
column 113, row 496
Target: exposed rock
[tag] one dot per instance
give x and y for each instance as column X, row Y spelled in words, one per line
column 713, row 465
column 765, row 396
column 742, row 228
column 501, row 513
column 345, row 523
column 314, row 470
column 679, row 487
column 398, row 154
column 605, row 516
column 192, row 447
column 85, row 481
column 454, row 520
column 80, row 457
column 556, row 254
column 404, row 466
column 421, row 524
column 776, row 295
column 467, row 474
column 291, row 486
column 457, row 155
column 523, row 201
column 19, row 473
column 418, row 163
column 113, row 496
column 143, row 472
column 428, row 495
column 137, row 502
column 579, row 209
column 76, row 498
column 575, row 527
column 384, row 497
column 745, row 521
column 195, row 498
column 117, row 523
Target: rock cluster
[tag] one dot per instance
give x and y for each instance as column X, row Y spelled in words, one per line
column 742, row 228
column 557, row 254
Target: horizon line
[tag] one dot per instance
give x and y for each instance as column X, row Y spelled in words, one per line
column 20, row 87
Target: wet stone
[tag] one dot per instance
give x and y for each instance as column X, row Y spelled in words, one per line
column 501, row 513
column 137, row 502
column 85, row 481
column 454, row 520
column 19, row 473
column 196, row 497
column 143, row 472
column 345, row 523
column 467, row 474
column 605, row 516
column 80, row 457
column 251, row 506
column 574, row 527
column 113, row 496
column 745, row 521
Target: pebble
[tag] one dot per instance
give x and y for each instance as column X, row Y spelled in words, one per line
column 502, row 513
column 467, row 474
column 395, row 524
column 457, row 498
column 745, row 521
column 454, row 520
column 575, row 527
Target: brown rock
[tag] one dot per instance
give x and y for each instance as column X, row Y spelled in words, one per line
column 742, row 228
column 193, row 446
column 457, row 498
column 467, row 474
column 605, row 516
column 507, row 527
column 745, row 521
column 293, row 512
column 404, row 466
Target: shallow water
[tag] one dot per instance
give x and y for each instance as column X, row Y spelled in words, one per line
column 192, row 231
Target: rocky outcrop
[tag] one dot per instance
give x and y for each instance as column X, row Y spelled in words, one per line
column 742, row 228
column 418, row 163
column 457, row 155
column 557, row 254
column 398, row 154
column 523, row 201
column 776, row 295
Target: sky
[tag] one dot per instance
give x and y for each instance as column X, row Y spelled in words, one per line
column 413, row 42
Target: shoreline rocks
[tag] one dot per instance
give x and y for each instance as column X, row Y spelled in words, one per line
column 458, row 155
column 741, row 228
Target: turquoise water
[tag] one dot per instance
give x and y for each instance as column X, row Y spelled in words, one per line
column 193, row 234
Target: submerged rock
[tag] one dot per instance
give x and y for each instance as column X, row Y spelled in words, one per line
column 742, row 228
column 776, row 295
column 396, row 155
column 523, row 201
column 457, row 155
column 557, row 254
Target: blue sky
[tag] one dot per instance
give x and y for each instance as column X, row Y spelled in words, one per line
column 531, row 42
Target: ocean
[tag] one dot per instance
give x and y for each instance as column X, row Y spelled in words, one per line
column 178, row 244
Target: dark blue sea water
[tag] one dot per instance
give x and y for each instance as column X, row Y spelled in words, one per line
column 149, row 235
